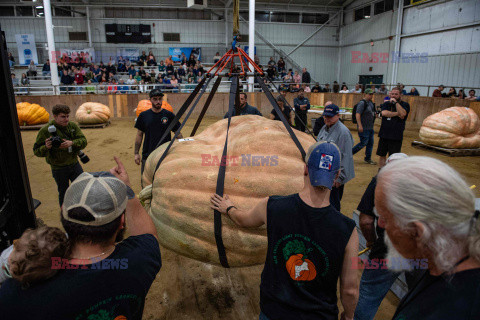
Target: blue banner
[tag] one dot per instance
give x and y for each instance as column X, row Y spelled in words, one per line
column 176, row 53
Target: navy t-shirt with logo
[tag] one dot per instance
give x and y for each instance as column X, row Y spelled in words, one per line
column 153, row 125
column 306, row 247
column 108, row 289
column 392, row 128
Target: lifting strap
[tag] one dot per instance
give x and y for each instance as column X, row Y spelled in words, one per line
column 293, row 109
column 221, row 177
column 207, row 104
column 180, row 113
column 281, row 115
column 236, row 17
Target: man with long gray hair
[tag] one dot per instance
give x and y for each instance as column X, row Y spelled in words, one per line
column 428, row 212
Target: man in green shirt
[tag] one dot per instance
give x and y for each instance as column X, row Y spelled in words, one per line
column 61, row 155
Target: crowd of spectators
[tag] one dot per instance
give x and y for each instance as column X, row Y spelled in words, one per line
column 452, row 93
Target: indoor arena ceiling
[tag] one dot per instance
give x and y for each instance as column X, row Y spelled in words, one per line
column 213, row 4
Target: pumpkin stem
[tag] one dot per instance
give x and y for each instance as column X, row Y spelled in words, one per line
column 89, row 111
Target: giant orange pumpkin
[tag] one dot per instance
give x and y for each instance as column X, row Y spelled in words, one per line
column 144, row 105
column 455, row 128
column 263, row 161
column 92, row 113
column 306, row 274
column 31, row 114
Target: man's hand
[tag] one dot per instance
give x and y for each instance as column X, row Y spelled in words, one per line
column 344, row 317
column 220, row 204
column 360, row 128
column 393, row 100
column 48, row 143
column 337, row 184
column 138, row 160
column 66, row 144
column 120, row 172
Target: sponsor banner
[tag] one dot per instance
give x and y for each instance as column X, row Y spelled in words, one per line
column 131, row 54
column 86, row 55
column 176, row 53
column 26, row 49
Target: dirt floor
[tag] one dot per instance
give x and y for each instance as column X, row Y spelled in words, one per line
column 184, row 288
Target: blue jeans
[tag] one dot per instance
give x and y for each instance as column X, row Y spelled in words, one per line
column 366, row 140
column 62, row 177
column 374, row 286
column 262, row 316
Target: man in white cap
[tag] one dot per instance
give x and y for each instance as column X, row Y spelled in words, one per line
column 103, row 279
column 310, row 244
column 375, row 282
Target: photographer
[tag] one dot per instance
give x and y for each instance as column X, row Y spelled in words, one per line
column 394, row 115
column 60, row 141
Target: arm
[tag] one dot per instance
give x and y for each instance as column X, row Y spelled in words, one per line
column 359, row 122
column 255, row 217
column 39, row 148
column 367, row 225
column 138, row 144
column 401, row 112
column 271, row 116
column 138, row 220
column 80, row 141
column 349, row 279
column 308, row 104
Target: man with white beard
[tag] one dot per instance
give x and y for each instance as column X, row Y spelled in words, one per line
column 376, row 278
column 428, row 212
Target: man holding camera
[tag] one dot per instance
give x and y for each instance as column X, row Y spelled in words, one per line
column 61, row 142
column 394, row 115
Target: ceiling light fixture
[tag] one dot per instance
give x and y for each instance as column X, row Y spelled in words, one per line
column 39, row 7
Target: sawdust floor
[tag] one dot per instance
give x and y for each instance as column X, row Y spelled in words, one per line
column 184, row 288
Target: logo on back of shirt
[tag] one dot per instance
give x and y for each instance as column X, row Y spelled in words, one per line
column 326, row 162
column 164, row 120
column 304, row 258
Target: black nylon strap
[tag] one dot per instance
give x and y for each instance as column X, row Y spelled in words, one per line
column 182, row 110
column 207, row 104
column 181, row 126
column 221, row 178
column 281, row 115
column 293, row 109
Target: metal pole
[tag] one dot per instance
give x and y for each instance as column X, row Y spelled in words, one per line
column 251, row 39
column 314, row 33
column 47, row 8
column 88, row 28
column 339, row 61
column 226, row 28
column 398, row 33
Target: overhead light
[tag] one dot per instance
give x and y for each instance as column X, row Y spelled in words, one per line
column 39, row 7
column 367, row 17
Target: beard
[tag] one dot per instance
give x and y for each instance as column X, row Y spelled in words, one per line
column 120, row 236
column 395, row 261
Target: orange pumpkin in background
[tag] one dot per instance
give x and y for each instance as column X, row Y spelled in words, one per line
column 308, row 271
column 92, row 113
column 455, row 128
column 31, row 114
column 144, row 105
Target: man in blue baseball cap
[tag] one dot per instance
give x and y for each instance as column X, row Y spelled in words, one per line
column 335, row 131
column 310, row 244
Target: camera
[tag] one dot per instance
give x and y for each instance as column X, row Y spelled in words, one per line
column 83, row 157
column 55, row 139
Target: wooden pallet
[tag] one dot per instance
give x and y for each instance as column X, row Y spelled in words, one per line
column 94, row 126
column 35, row 127
column 446, row 151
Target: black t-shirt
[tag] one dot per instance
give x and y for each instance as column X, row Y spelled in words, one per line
column 442, row 298
column 113, row 287
column 366, row 205
column 306, row 247
column 153, row 125
column 286, row 112
column 392, row 128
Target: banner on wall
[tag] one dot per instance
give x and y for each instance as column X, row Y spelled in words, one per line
column 131, row 54
column 26, row 48
column 176, row 53
column 86, row 55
